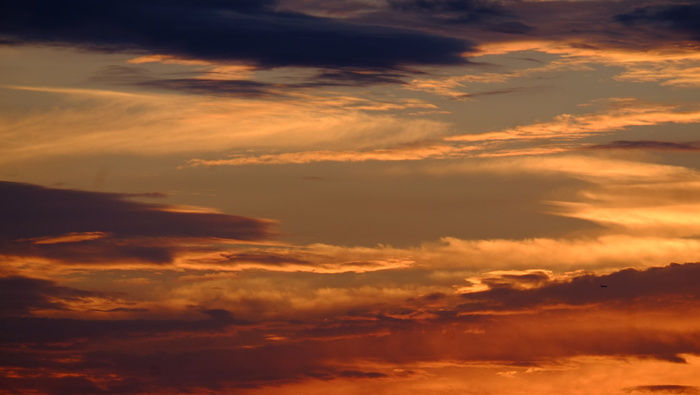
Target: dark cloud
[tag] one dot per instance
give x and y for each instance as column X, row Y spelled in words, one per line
column 237, row 88
column 221, row 31
column 460, row 10
column 264, row 258
column 21, row 295
column 496, row 92
column 33, row 330
column 67, row 385
column 487, row 14
column 358, row 78
column 200, row 84
column 648, row 145
column 653, row 284
column 517, row 281
column 680, row 18
column 220, row 353
column 188, row 371
column 72, row 225
column 664, row 389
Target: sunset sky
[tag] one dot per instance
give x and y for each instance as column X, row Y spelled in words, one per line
column 347, row 197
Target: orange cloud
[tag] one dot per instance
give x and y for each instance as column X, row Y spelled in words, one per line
column 620, row 115
column 631, row 197
column 623, row 114
column 144, row 124
column 429, row 151
column 676, row 65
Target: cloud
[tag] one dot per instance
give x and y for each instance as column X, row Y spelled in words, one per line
column 144, row 124
column 624, row 196
column 22, row 295
column 290, row 259
column 651, row 286
column 453, row 11
column 647, row 145
column 217, row 83
column 454, row 255
column 495, row 92
column 223, row 32
column 658, row 60
column 79, row 226
column 403, row 153
column 681, row 18
column 24, row 330
column 664, row 389
column 529, row 319
column 623, row 113
column 479, row 15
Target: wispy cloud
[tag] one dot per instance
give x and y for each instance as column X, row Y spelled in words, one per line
column 145, row 124
column 568, row 129
column 410, row 152
column 622, row 114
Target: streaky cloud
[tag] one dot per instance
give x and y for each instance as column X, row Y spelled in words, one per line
column 204, row 84
column 647, row 145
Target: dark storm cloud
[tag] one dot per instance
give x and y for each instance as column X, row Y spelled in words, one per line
column 221, row 31
column 664, row 389
column 71, row 225
column 648, row 145
column 680, row 18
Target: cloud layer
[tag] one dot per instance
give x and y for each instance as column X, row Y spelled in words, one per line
column 247, row 32
column 70, row 225
column 531, row 319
